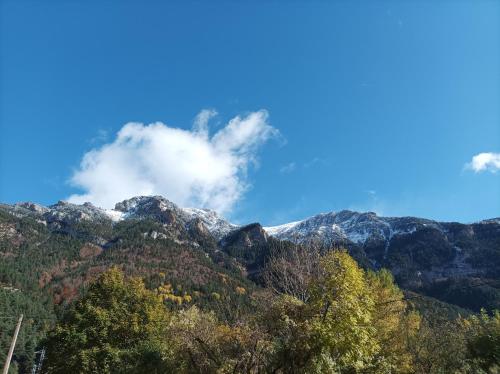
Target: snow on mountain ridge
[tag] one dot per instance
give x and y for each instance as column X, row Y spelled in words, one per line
column 156, row 207
column 141, row 206
column 326, row 227
column 216, row 224
column 115, row 215
column 277, row 230
column 344, row 225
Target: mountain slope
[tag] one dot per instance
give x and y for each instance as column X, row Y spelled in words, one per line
column 48, row 255
column 55, row 250
column 442, row 259
column 141, row 207
column 436, row 258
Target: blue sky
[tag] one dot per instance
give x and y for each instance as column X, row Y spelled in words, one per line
column 379, row 105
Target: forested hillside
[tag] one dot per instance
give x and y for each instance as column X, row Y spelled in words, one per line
column 169, row 290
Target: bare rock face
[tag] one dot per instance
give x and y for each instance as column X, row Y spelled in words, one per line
column 249, row 236
column 164, row 211
column 72, row 213
column 36, row 208
column 60, row 214
column 154, row 207
column 9, row 233
column 197, row 227
column 215, row 224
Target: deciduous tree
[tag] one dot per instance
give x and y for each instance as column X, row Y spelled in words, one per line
column 118, row 326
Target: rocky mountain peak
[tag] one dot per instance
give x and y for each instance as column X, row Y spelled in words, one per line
column 159, row 208
column 154, row 207
column 145, row 204
column 346, row 225
column 140, row 207
column 67, row 212
column 217, row 225
column 247, row 236
column 33, row 207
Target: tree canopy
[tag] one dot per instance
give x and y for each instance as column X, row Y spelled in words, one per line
column 118, row 326
column 347, row 320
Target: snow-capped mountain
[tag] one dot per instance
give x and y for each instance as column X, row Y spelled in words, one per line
column 418, row 251
column 327, row 228
column 62, row 212
column 348, row 226
column 358, row 228
column 415, row 249
column 160, row 208
column 217, row 225
column 140, row 207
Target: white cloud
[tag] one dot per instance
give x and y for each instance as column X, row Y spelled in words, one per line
column 292, row 166
column 201, row 121
column 316, row 161
column 188, row 167
column 486, row 161
column 102, row 136
column 288, row 168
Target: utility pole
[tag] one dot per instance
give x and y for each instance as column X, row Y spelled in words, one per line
column 12, row 345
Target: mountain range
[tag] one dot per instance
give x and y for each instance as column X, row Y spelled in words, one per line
column 454, row 262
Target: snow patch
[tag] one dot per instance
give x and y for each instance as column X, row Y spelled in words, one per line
column 217, row 225
column 281, row 229
column 114, row 215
